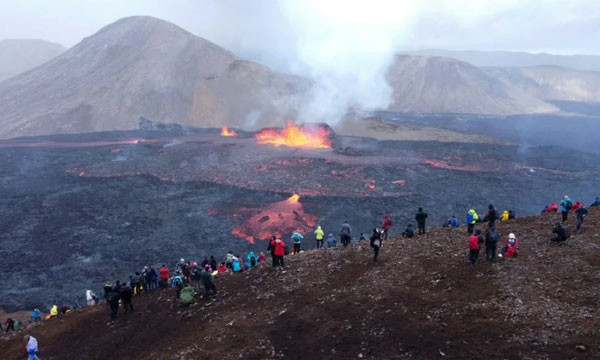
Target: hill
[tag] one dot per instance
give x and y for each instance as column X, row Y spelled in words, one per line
column 443, row 85
column 421, row 300
column 516, row 58
column 143, row 66
column 20, row 55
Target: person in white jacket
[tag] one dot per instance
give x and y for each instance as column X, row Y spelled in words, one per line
column 32, row 347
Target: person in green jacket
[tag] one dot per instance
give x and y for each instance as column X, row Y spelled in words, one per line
column 319, row 236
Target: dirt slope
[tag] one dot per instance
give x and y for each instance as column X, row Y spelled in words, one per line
column 421, row 301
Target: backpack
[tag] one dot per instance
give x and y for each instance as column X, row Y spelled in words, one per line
column 469, row 218
column 568, row 204
column 187, row 296
column 177, row 282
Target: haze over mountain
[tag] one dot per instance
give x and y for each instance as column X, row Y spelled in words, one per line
column 20, row 55
column 515, row 58
column 143, row 66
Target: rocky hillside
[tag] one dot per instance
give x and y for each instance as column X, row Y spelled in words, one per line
column 422, row 300
column 20, row 55
column 444, row 85
column 143, row 66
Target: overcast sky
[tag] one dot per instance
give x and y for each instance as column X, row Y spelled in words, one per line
column 275, row 26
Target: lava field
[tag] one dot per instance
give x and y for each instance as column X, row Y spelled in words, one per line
column 77, row 210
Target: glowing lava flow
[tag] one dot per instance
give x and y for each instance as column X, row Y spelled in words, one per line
column 226, row 132
column 294, row 136
column 282, row 217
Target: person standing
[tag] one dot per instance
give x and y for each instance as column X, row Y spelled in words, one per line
column 421, row 216
column 491, row 242
column 271, row 249
column 581, row 213
column 319, row 234
column 279, row 251
column 213, row 263
column 209, row 285
column 297, row 240
column 126, row 295
column 472, row 219
column 386, row 225
column 375, row 243
column 32, row 347
column 10, row 325
column 475, row 241
column 113, row 300
column 164, row 276
column 346, row 233
column 491, row 216
column 565, row 206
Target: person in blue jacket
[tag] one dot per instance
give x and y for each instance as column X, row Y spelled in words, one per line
column 453, row 222
column 565, row 206
column 331, row 241
column 596, row 202
column 297, row 239
column 237, row 264
column 251, row 259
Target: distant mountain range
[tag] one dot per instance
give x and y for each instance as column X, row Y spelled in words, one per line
column 146, row 67
column 20, row 55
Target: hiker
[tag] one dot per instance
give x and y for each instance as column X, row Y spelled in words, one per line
column 491, row 215
column 177, row 283
column 551, row 208
column 279, row 251
column 472, row 219
column 386, row 225
column 251, row 259
column 10, row 325
column 204, row 263
column 213, row 263
column 491, row 242
column 126, row 295
column 236, row 265
column 222, row 268
column 153, row 279
column 504, row 216
column 511, row 248
column 261, row 257
column 297, row 240
column 35, row 315
column 64, row 309
column 475, row 241
column 53, row 312
column 164, row 276
column 361, row 238
column 345, row 233
column 209, row 285
column 229, row 259
column 565, row 206
column 453, row 222
column 331, row 241
column 271, row 249
column 195, row 276
column 375, row 243
column 562, row 233
column 576, row 206
column 596, row 202
column 187, row 271
column 135, row 282
column 89, row 298
column 421, row 216
column 180, row 266
column 409, row 232
column 113, row 300
column 31, row 347
column 581, row 213
column 319, row 236
column 511, row 214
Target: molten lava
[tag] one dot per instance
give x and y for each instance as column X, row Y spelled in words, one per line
column 279, row 218
column 226, row 132
column 316, row 137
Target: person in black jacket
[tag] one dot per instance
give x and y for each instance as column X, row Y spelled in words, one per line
column 491, row 242
column 491, row 215
column 409, row 232
column 112, row 298
column 375, row 243
column 126, row 295
column 421, row 216
column 561, row 232
column 581, row 213
column 213, row 263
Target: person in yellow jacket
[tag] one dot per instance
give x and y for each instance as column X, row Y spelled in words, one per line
column 53, row 312
column 319, row 236
column 504, row 216
column 472, row 219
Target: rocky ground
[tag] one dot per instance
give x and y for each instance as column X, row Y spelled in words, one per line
column 422, row 300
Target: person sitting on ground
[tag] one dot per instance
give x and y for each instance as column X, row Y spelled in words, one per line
column 581, row 213
column 491, row 242
column 251, row 259
column 562, row 233
column 385, row 226
column 63, row 309
column 375, row 243
column 222, row 268
column 472, row 219
column 35, row 315
column 331, row 241
column 552, row 208
column 504, row 216
column 261, row 257
column 236, row 264
column 164, row 276
column 345, row 233
column 475, row 241
column 209, row 285
column 177, row 283
column 361, row 237
column 511, row 214
column 576, row 206
column 409, row 232
column 565, row 206
column 31, row 347
column 511, row 248
column 596, row 202
column 319, row 234
column 297, row 240
column 453, row 222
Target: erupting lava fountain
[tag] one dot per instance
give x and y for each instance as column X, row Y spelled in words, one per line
column 314, row 137
column 226, row 132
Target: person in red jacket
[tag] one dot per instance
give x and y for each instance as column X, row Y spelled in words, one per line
column 474, row 241
column 386, row 225
column 551, row 208
column 261, row 257
column 576, row 206
column 222, row 268
column 164, row 276
column 511, row 249
column 279, row 251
